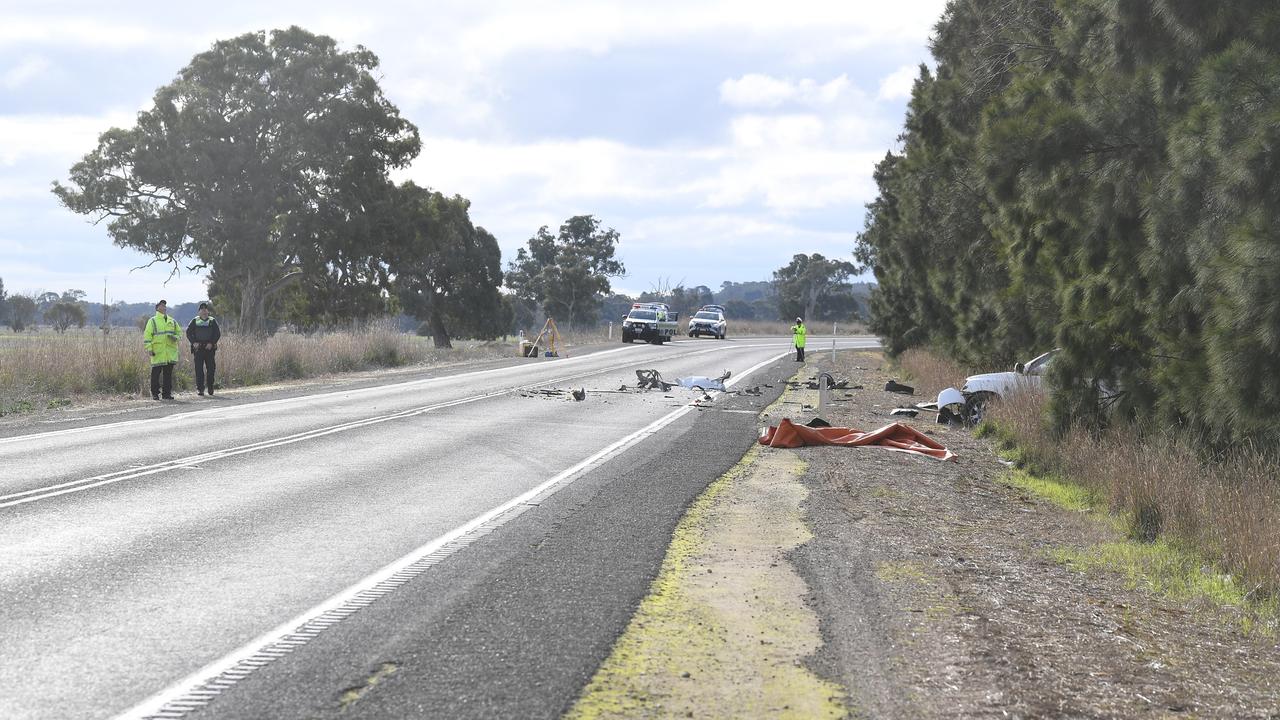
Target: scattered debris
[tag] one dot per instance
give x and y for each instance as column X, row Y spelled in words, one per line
column 580, row 394
column 908, row 412
column 817, row 422
column 951, row 407
column 652, row 379
column 894, row 386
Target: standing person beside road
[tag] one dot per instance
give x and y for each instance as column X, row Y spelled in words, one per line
column 203, row 333
column 160, row 338
column 799, row 331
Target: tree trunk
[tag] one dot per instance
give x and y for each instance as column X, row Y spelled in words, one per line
column 811, row 304
column 254, row 293
column 252, row 305
column 439, row 334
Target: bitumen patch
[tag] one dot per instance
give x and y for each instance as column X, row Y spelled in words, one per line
column 516, row 624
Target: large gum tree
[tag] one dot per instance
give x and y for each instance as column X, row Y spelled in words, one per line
column 263, row 161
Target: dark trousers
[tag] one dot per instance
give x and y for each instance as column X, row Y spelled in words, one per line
column 162, row 380
column 205, row 365
column 799, row 353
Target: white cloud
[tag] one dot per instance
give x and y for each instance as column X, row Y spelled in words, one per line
column 73, row 30
column 763, row 91
column 57, row 137
column 899, row 83
column 24, row 72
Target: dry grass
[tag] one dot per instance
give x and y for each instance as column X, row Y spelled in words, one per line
column 40, row 371
column 931, row 373
column 1227, row 511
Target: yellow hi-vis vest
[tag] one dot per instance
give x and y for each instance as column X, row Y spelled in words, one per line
column 800, row 333
column 160, row 338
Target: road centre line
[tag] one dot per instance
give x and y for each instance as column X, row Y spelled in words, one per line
column 202, row 686
column 82, row 484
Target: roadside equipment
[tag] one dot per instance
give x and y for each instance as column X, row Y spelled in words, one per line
column 552, row 335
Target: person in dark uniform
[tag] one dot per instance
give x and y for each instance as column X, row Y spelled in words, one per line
column 203, row 333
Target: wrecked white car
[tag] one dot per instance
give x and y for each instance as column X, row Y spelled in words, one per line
column 969, row 403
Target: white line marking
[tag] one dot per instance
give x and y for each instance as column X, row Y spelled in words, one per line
column 71, row 486
column 252, row 407
column 223, row 673
column 189, row 463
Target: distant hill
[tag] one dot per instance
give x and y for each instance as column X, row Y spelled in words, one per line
column 133, row 314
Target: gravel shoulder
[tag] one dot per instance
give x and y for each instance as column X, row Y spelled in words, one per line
column 937, row 590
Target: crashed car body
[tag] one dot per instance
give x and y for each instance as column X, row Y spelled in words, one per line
column 1000, row 384
column 970, row 402
column 708, row 322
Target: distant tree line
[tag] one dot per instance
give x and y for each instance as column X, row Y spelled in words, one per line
column 20, row 312
column 1100, row 176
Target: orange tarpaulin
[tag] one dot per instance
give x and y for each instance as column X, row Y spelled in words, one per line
column 897, row 436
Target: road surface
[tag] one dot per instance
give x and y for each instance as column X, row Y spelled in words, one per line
column 456, row 545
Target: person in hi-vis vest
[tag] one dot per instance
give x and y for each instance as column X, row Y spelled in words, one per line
column 160, row 338
column 800, row 332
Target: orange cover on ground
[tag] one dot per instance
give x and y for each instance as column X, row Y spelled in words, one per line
column 897, row 436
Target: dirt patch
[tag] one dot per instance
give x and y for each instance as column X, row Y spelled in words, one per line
column 940, row 596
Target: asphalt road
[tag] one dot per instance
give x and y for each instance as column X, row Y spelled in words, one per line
column 455, row 545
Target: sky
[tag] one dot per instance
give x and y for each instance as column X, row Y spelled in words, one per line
column 719, row 138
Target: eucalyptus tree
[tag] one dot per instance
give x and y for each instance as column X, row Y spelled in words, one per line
column 263, row 161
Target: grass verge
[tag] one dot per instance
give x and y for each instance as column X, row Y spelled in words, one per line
column 42, row 371
column 1169, row 566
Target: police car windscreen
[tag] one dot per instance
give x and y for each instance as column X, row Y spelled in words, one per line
column 643, row 315
column 707, row 316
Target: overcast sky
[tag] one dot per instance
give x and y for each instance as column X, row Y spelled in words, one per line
column 719, row 138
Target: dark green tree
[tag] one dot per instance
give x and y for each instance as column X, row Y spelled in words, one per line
column 22, row 312
column 4, row 303
column 447, row 271
column 62, row 315
column 262, row 161
column 815, row 288
column 567, row 274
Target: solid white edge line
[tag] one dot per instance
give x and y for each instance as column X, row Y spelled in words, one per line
column 156, row 703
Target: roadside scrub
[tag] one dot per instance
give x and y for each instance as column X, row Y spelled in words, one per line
column 42, row 371
column 1194, row 529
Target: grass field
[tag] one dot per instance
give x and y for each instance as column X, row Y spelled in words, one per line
column 43, row 370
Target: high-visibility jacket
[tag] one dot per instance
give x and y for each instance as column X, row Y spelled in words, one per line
column 160, row 338
column 800, row 333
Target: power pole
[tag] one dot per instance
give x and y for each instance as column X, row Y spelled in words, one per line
column 106, row 310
